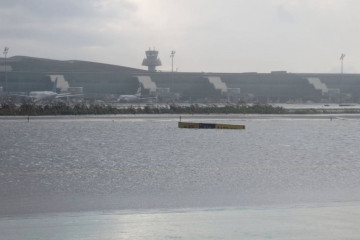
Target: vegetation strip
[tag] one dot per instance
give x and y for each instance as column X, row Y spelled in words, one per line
column 82, row 109
column 63, row 109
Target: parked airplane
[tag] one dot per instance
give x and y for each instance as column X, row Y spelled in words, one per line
column 129, row 98
column 37, row 96
column 134, row 97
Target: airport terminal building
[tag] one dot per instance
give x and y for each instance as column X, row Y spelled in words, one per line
column 106, row 82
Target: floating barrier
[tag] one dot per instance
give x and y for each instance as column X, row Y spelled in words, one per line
column 209, row 125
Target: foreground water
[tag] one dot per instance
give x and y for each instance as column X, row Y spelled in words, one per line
column 300, row 222
column 86, row 165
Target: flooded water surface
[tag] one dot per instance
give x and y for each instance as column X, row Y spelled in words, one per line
column 136, row 171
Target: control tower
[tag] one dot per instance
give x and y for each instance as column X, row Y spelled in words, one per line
column 151, row 60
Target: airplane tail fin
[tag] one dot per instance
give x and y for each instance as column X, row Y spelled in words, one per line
column 54, row 86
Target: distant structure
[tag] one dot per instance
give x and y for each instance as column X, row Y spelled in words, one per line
column 342, row 62
column 151, row 60
column 97, row 81
column 172, row 55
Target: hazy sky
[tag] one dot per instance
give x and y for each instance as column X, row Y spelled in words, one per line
column 207, row 35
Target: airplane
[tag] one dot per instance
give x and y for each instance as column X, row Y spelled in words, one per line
column 37, row 96
column 129, row 98
column 134, row 97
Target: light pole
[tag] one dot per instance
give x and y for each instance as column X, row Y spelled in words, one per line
column 6, row 50
column 172, row 55
column 342, row 62
column 342, row 69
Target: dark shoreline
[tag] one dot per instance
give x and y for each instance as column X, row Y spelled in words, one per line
column 98, row 110
column 83, row 109
column 184, row 117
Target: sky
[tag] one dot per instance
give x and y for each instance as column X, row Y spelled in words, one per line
column 299, row 36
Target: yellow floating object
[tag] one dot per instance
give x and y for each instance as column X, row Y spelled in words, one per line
column 209, row 125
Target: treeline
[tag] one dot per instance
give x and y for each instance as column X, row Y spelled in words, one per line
column 63, row 109
column 324, row 111
column 228, row 109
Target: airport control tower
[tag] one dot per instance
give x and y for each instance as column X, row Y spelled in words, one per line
column 151, row 60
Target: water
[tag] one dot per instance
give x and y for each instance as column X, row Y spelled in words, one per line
column 278, row 172
column 310, row 222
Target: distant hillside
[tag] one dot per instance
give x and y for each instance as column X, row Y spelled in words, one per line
column 25, row 74
column 32, row 64
column 106, row 81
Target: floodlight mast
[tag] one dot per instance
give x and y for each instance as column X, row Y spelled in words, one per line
column 342, row 62
column 6, row 50
column 172, row 55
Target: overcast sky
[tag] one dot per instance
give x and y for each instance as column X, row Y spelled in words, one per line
column 207, row 35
